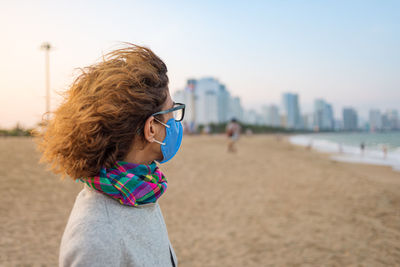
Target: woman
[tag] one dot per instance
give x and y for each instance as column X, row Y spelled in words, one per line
column 116, row 120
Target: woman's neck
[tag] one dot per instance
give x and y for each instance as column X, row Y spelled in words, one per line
column 140, row 154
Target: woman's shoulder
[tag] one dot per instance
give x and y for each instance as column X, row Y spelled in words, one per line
column 89, row 207
column 99, row 226
column 89, row 218
column 90, row 243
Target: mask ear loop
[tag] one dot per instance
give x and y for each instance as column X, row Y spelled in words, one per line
column 158, row 142
column 166, row 125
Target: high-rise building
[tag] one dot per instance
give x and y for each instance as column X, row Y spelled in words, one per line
column 187, row 97
column 323, row 115
column 393, row 117
column 271, row 116
column 252, row 117
column 291, row 110
column 224, row 98
column 235, row 109
column 208, row 101
column 375, row 120
column 190, row 102
column 350, row 119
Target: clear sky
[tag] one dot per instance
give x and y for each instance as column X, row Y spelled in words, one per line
column 347, row 52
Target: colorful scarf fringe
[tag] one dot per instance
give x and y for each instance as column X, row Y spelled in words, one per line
column 131, row 184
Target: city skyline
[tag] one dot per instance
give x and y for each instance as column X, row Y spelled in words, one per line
column 209, row 101
column 346, row 52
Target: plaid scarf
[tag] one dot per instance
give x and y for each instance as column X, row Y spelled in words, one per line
column 131, row 184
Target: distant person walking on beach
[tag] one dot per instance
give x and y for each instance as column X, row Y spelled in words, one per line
column 362, row 148
column 116, row 121
column 233, row 132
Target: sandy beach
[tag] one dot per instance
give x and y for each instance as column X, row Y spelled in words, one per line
column 270, row 204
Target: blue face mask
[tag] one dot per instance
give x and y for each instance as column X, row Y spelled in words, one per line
column 172, row 140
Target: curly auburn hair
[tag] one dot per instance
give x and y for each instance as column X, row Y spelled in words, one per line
column 103, row 110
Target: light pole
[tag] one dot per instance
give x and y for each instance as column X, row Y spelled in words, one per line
column 47, row 47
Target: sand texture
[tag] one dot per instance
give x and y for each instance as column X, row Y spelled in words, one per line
column 271, row 204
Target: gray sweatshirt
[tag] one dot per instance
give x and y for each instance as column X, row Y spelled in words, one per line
column 102, row 232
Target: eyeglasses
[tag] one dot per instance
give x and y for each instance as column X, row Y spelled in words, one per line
column 178, row 111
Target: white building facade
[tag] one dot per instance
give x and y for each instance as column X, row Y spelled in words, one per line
column 323, row 115
column 271, row 115
column 375, row 120
column 208, row 101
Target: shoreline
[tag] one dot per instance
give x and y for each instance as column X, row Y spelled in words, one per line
column 347, row 153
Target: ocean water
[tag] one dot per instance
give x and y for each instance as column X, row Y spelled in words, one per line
column 346, row 147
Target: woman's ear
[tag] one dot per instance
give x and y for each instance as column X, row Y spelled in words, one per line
column 149, row 129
